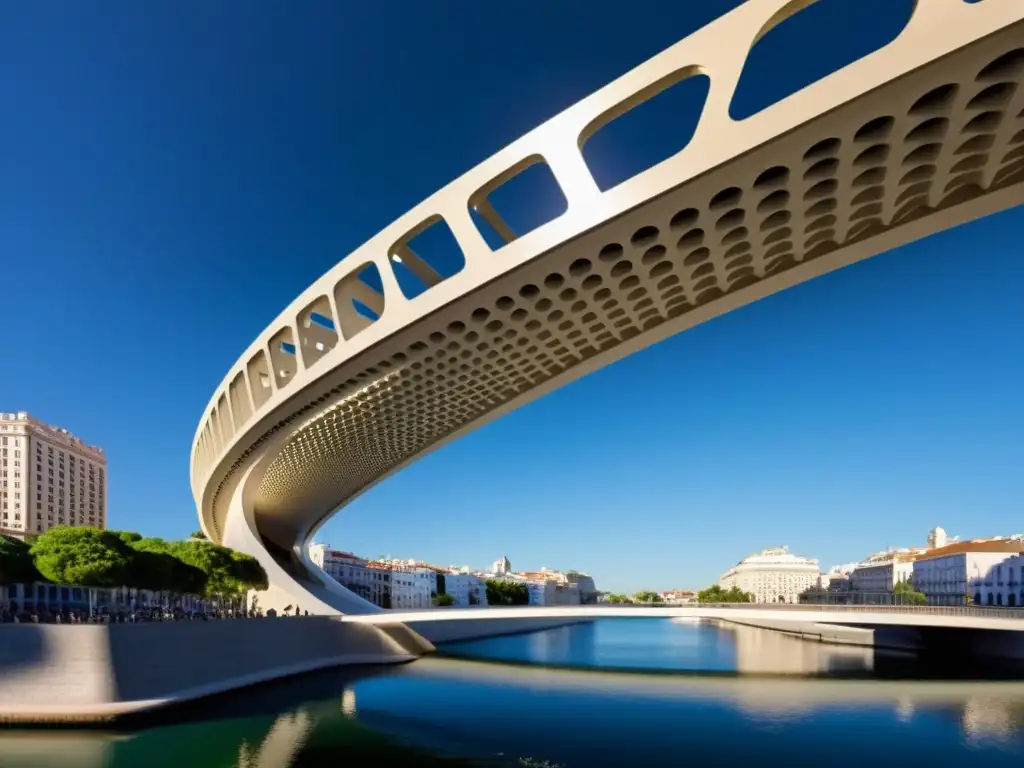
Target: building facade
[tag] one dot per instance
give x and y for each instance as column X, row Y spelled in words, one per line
column 466, row 589
column 773, row 575
column 48, row 477
column 879, row 575
column 398, row 584
column 981, row 571
column 369, row 580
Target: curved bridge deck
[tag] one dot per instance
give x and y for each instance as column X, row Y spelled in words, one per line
column 924, row 134
column 950, row 618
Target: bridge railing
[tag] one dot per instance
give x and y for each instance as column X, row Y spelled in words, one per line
column 935, row 610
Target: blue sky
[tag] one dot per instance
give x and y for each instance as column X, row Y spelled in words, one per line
column 175, row 173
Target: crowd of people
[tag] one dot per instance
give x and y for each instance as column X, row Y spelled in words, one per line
column 11, row 614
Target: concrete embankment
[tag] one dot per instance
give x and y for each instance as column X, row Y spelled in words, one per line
column 93, row 673
column 897, row 638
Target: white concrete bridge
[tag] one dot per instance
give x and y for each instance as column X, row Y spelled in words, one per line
column 354, row 380
column 876, row 616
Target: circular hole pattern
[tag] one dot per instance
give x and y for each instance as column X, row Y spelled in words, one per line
column 776, row 176
column 685, row 219
column 727, row 198
column 644, row 236
column 936, row 100
column 875, row 130
column 580, row 267
column 824, row 148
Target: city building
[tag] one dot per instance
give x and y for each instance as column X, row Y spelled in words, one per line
column 399, row 584
column 502, row 567
column 586, row 585
column 878, row 576
column 466, row 588
column 773, row 575
column 678, row 596
column 985, row 571
column 369, row 580
column 413, row 585
column 48, row 477
column 554, row 587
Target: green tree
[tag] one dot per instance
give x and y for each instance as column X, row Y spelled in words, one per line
column 155, row 567
column 500, row 592
column 443, row 601
column 715, row 594
column 618, row 599
column 228, row 575
column 82, row 556
column 905, row 594
column 197, row 535
column 16, row 564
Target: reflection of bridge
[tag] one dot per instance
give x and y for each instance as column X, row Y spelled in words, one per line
column 355, row 380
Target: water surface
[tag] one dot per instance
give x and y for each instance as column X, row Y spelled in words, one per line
column 444, row 711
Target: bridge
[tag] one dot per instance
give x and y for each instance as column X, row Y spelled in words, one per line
column 876, row 616
column 355, row 380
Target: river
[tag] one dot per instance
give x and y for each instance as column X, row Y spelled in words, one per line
column 700, row 694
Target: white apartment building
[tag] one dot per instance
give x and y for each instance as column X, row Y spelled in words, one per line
column 371, row 581
column 881, row 573
column 988, row 571
column 773, row 575
column 413, row 585
column 48, row 477
column 466, row 588
column 550, row 588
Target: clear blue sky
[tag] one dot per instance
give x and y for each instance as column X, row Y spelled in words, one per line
column 173, row 173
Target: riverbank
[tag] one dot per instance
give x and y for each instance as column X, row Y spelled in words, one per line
column 77, row 674
column 90, row 674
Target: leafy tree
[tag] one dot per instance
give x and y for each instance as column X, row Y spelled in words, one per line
column 197, row 535
column 618, row 599
column 128, row 537
column 84, row 556
column 155, row 567
column 443, row 600
column 715, row 594
column 228, row 574
column 16, row 565
column 905, row 594
column 249, row 572
column 500, row 592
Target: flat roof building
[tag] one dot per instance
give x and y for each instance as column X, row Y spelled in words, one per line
column 48, row 477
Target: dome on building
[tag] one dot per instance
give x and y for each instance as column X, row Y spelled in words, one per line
column 773, row 575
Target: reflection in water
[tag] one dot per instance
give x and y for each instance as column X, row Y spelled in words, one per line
column 670, row 645
column 280, row 747
column 989, row 719
column 453, row 712
column 760, row 651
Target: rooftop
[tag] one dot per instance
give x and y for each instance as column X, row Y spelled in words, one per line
column 995, row 544
column 23, row 417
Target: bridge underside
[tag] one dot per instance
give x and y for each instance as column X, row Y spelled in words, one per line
column 933, row 149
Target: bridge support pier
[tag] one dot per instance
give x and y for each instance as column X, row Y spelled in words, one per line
column 302, row 586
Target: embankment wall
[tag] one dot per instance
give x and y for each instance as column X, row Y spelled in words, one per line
column 94, row 673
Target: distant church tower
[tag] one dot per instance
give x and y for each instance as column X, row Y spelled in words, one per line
column 502, row 567
column 937, row 538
